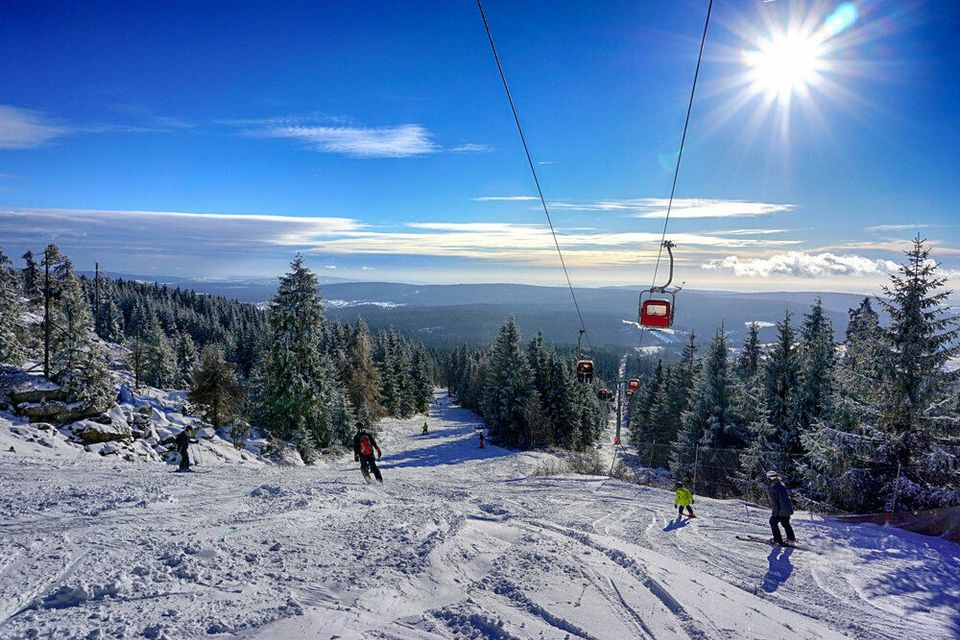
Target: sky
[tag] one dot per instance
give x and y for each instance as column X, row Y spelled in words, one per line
column 214, row 140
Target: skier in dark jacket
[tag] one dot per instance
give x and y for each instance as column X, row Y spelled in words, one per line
column 183, row 440
column 780, row 509
column 363, row 447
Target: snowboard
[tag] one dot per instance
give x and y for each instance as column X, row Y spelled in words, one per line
column 766, row 541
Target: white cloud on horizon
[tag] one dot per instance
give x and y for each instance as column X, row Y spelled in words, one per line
column 682, row 207
column 26, row 129
column 802, row 265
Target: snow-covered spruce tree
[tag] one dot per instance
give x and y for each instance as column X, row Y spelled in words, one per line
column 748, row 361
column 186, row 354
column 671, row 402
column 77, row 363
column 561, row 407
column 401, row 373
column 363, row 382
column 297, row 380
column 109, row 321
column 215, row 388
column 342, row 420
column 32, row 277
column 136, row 343
column 709, row 424
column 421, row 380
column 774, row 434
column 11, row 346
column 896, row 454
column 507, row 386
column 160, row 363
column 386, row 356
column 817, row 359
column 642, row 427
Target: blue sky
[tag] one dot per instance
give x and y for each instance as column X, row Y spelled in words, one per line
column 213, row 139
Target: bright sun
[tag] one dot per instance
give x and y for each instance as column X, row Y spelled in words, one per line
column 785, row 64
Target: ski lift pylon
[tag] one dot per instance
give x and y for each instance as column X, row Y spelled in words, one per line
column 657, row 304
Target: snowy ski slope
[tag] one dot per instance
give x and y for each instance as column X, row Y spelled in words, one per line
column 459, row 543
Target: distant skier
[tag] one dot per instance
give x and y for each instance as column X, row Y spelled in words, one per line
column 780, row 510
column 482, row 440
column 363, row 447
column 682, row 500
column 425, row 429
column 183, row 441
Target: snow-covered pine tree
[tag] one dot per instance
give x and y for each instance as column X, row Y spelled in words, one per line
column 386, row 357
column 215, row 388
column 186, row 355
column 774, row 435
column 342, row 420
column 817, row 359
column 363, row 383
column 296, row 381
column 748, row 361
column 160, row 363
column 642, row 431
column 508, row 384
column 671, row 402
column 561, row 407
column 11, row 345
column 109, row 321
column 77, row 362
column 32, row 277
column 135, row 342
column 709, row 426
column 900, row 452
column 421, row 380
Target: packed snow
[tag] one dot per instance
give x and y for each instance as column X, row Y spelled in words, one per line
column 459, row 542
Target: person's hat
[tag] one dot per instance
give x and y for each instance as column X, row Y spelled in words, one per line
column 773, row 475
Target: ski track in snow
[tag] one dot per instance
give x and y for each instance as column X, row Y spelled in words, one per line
column 458, row 543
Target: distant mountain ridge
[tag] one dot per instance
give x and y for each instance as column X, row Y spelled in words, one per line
column 456, row 313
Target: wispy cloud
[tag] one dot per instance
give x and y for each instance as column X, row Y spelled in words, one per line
column 400, row 141
column 746, row 232
column 657, row 208
column 682, row 208
column 802, row 265
column 26, row 129
column 339, row 135
column 471, row 148
column 504, row 198
column 880, row 228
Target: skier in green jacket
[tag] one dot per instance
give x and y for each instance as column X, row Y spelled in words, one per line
column 683, row 499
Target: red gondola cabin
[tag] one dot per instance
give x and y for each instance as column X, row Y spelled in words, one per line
column 585, row 371
column 655, row 313
column 633, row 384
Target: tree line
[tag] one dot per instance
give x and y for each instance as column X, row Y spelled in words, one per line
column 287, row 368
column 867, row 425
column 528, row 395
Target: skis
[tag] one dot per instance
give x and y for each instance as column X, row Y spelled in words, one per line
column 766, row 541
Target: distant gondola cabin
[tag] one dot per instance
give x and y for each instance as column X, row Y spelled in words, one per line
column 633, row 385
column 585, row 370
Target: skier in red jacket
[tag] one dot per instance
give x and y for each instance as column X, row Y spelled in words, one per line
column 363, row 447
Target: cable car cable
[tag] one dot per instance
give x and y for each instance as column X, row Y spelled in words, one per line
column 683, row 139
column 533, row 170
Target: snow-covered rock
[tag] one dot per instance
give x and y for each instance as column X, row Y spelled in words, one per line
column 89, row 431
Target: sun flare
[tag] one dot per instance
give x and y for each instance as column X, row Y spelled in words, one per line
column 785, row 64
